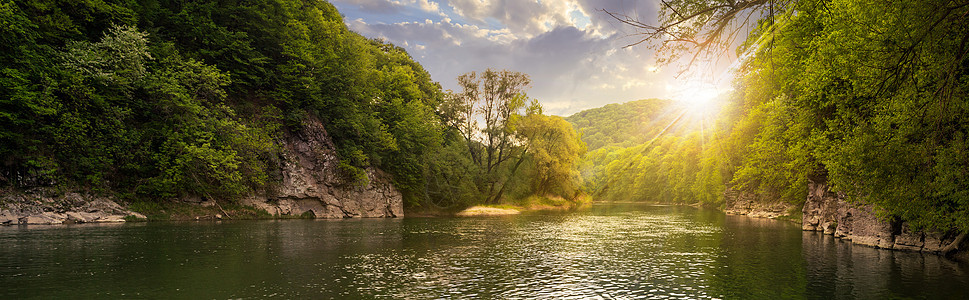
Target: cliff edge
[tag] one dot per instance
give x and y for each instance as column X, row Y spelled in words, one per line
column 313, row 183
column 827, row 211
column 310, row 184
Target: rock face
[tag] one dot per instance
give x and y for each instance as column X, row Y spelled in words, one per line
column 820, row 211
column 44, row 206
column 310, row 184
column 741, row 203
column 859, row 224
column 313, row 184
column 828, row 211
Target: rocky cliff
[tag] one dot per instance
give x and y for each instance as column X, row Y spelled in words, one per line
column 827, row 211
column 313, row 183
column 742, row 203
column 310, row 184
column 49, row 206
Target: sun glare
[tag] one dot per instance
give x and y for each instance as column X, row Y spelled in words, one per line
column 698, row 95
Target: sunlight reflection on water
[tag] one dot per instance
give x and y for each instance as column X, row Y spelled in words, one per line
column 621, row 251
column 626, row 255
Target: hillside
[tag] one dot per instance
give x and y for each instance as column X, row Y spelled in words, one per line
column 645, row 150
column 163, row 101
column 153, row 100
column 624, row 124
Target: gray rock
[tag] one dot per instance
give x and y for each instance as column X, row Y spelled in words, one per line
column 820, row 207
column 859, row 224
column 313, row 182
column 742, row 203
column 934, row 241
column 829, row 227
column 828, row 211
column 909, row 240
column 45, row 206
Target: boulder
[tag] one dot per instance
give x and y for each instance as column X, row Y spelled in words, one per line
column 45, row 206
column 859, row 224
column 743, row 203
column 313, row 182
column 821, row 207
column 909, row 240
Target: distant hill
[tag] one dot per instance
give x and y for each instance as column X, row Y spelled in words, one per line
column 625, row 124
column 646, row 150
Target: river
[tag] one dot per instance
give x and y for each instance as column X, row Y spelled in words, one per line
column 621, row 251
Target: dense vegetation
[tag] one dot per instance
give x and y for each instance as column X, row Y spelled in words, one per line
column 867, row 96
column 503, row 144
column 155, row 100
column 624, row 125
column 647, row 150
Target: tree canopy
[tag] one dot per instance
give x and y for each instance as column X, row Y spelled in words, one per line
column 867, row 96
column 159, row 99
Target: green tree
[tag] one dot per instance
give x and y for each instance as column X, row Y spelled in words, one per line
column 863, row 95
column 497, row 98
column 555, row 148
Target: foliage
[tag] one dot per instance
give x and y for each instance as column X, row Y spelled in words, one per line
column 555, row 149
column 159, row 99
column 867, row 96
column 663, row 156
column 623, row 125
column 498, row 148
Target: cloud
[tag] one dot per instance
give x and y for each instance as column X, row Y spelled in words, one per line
column 391, row 6
column 526, row 18
column 572, row 51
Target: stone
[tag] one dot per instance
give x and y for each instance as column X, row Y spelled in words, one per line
column 45, row 206
column 820, row 207
column 8, row 218
column 909, row 240
column 933, row 241
column 860, row 224
column 742, row 203
column 312, row 181
column 111, row 219
column 829, row 227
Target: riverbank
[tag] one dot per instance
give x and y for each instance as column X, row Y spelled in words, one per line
column 48, row 206
column 533, row 203
column 739, row 203
column 828, row 212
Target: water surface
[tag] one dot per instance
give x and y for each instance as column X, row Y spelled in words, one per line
column 605, row 252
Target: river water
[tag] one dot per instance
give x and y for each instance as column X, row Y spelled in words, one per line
column 617, row 251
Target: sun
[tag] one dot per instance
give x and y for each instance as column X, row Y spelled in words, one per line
column 697, row 95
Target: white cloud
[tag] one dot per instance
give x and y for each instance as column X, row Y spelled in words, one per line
column 392, row 6
column 571, row 50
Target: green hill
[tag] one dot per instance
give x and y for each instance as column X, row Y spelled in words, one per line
column 645, row 150
column 624, row 124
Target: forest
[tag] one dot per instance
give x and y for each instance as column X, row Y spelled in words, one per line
column 867, row 96
column 156, row 100
column 191, row 149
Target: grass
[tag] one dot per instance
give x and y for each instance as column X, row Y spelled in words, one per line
column 549, row 203
column 794, row 214
column 165, row 211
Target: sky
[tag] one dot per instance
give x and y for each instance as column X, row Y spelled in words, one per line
column 573, row 51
